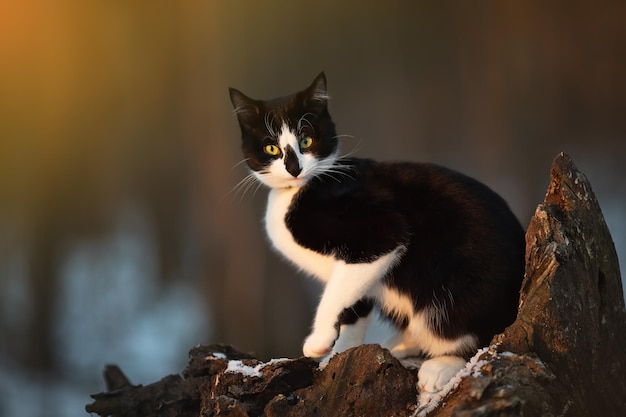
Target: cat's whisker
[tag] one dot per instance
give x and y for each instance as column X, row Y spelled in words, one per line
column 337, row 170
column 343, row 169
column 326, row 174
column 243, row 161
column 344, row 136
column 345, row 173
column 354, row 150
column 256, row 188
column 243, row 190
column 350, row 153
column 241, row 183
column 243, row 186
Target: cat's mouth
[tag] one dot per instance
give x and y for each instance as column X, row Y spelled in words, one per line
column 282, row 181
column 273, row 181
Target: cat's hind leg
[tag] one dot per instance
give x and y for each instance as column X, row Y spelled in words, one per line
column 400, row 347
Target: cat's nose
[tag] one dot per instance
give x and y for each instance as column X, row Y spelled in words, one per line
column 293, row 168
column 292, row 164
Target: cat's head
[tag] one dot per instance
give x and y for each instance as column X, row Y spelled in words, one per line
column 287, row 141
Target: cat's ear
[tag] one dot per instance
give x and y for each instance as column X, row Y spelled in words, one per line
column 317, row 94
column 245, row 107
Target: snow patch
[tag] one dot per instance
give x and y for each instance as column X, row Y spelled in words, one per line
column 238, row 367
column 214, row 355
column 427, row 402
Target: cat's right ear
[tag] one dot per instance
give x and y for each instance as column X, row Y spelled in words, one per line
column 245, row 107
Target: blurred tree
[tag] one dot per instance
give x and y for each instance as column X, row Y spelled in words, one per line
column 109, row 104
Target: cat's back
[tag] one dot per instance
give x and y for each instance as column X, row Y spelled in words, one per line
column 373, row 207
column 443, row 206
column 402, row 186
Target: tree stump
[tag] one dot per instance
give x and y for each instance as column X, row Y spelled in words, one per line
column 565, row 355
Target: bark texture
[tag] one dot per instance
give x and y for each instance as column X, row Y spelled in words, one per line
column 565, row 355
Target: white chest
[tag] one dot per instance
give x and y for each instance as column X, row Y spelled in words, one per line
column 311, row 262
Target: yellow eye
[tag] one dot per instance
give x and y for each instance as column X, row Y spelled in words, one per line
column 271, row 150
column 306, row 142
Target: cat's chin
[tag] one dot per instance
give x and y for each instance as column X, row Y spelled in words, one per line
column 294, row 183
column 287, row 183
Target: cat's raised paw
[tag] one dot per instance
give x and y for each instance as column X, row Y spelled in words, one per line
column 318, row 344
column 435, row 373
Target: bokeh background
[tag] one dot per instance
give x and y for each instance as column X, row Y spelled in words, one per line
column 121, row 238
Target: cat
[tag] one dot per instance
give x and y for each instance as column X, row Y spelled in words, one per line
column 439, row 253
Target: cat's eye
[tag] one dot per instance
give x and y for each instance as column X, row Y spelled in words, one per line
column 271, row 150
column 306, row 142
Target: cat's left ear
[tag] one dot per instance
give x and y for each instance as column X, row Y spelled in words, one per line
column 317, row 93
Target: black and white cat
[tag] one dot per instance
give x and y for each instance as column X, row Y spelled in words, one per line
column 439, row 253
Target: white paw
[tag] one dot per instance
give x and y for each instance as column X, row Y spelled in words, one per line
column 319, row 343
column 435, row 373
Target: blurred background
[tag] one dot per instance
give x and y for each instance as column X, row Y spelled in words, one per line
column 121, row 238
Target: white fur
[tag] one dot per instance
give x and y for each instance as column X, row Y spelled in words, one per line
column 287, row 137
column 348, row 283
column 417, row 337
column 311, row 262
column 351, row 335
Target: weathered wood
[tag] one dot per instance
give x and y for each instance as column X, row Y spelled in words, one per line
column 569, row 339
column 565, row 355
column 364, row 381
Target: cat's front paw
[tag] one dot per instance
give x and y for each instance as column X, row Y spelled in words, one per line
column 319, row 343
column 435, row 373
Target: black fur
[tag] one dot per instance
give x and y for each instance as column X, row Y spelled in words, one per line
column 459, row 236
column 463, row 248
column 361, row 309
